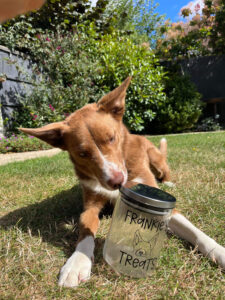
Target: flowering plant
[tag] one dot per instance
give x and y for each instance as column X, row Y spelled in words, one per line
column 21, row 143
column 68, row 67
column 201, row 33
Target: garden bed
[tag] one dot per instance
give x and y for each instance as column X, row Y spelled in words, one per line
column 21, row 143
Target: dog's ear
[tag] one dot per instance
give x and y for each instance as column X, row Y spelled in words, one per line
column 114, row 102
column 53, row 134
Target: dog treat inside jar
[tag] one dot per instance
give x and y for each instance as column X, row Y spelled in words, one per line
column 138, row 229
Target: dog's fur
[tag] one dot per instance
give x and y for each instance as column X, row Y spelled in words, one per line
column 105, row 156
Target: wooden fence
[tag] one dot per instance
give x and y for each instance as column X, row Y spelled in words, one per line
column 208, row 74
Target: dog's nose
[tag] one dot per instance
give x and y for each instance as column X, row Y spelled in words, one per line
column 116, row 180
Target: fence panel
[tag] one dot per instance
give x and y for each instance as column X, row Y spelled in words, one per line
column 15, row 71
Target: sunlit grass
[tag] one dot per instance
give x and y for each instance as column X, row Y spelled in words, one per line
column 40, row 206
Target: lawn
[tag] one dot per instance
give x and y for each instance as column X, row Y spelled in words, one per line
column 40, row 206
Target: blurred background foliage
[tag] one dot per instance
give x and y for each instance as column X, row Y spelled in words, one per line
column 79, row 52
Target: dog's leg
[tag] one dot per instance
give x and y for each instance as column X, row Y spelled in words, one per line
column 157, row 159
column 183, row 228
column 145, row 176
column 78, row 267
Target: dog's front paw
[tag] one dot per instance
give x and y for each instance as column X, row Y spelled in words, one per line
column 77, row 269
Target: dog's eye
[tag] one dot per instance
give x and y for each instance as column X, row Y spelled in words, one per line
column 111, row 139
column 83, row 154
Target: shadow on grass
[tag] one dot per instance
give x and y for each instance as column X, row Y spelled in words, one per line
column 54, row 219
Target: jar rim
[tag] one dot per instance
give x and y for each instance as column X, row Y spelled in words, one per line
column 148, row 196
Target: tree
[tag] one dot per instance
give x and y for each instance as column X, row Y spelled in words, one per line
column 65, row 15
column 138, row 19
column 201, row 34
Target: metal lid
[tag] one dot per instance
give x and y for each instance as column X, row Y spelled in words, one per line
column 148, row 196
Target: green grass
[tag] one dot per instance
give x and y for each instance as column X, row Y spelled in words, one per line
column 40, row 206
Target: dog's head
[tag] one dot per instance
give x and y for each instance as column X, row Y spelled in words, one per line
column 93, row 136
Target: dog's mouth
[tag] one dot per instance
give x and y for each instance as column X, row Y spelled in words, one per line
column 113, row 188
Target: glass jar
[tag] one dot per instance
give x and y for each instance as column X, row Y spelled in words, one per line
column 138, row 229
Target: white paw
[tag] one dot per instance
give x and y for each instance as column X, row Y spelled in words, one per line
column 169, row 184
column 218, row 255
column 213, row 250
column 77, row 269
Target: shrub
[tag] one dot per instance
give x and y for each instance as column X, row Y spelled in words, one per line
column 182, row 108
column 79, row 68
column 67, row 69
column 208, row 124
column 21, row 32
column 120, row 57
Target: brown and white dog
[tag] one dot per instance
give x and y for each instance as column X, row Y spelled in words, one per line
column 105, row 155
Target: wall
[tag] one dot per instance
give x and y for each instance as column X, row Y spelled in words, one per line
column 14, row 73
column 1, row 125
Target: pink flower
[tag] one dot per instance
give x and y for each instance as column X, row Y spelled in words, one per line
column 51, row 107
column 48, row 39
column 38, row 36
column 197, row 7
column 34, row 117
column 58, row 48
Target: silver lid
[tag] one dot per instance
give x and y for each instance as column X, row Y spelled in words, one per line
column 148, row 196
